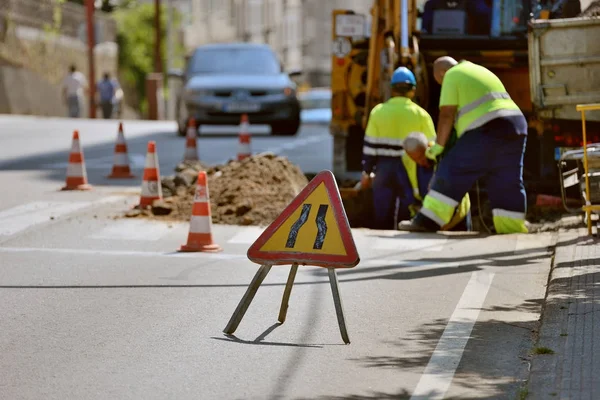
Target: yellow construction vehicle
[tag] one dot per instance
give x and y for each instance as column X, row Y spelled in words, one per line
column 494, row 33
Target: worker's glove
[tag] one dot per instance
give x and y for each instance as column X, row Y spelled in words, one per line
column 414, row 209
column 434, row 151
column 366, row 180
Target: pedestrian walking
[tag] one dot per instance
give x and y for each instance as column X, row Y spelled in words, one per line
column 74, row 87
column 106, row 92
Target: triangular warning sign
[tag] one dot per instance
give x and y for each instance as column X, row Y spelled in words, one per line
column 312, row 230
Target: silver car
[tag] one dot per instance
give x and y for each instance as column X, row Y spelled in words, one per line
column 224, row 81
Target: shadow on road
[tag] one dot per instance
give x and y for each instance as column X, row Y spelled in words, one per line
column 494, row 363
column 233, row 339
column 49, row 168
column 99, row 157
column 444, row 266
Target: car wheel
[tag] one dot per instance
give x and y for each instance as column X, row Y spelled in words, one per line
column 286, row 128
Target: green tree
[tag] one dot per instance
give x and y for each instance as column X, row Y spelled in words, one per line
column 135, row 38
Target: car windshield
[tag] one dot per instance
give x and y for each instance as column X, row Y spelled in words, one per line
column 234, row 61
column 312, row 103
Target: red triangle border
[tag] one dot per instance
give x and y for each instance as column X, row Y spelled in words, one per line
column 351, row 259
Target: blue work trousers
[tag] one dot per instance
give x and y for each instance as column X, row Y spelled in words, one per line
column 393, row 193
column 492, row 153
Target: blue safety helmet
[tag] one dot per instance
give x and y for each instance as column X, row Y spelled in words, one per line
column 403, row 75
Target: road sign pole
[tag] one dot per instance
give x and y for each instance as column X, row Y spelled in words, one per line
column 286, row 294
column 241, row 309
column 312, row 230
column 337, row 300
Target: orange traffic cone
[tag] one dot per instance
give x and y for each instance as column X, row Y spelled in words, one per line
column 244, row 150
column 191, row 150
column 200, row 235
column 151, row 187
column 121, row 161
column 76, row 172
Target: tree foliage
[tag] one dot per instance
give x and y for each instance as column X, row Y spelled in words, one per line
column 135, row 37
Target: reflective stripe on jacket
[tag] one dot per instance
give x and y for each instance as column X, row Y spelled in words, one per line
column 389, row 124
column 478, row 94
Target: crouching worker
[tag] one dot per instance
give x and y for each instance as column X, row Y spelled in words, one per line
column 491, row 136
column 415, row 146
column 389, row 124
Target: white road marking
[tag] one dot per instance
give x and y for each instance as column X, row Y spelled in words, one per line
column 25, row 216
column 19, row 218
column 297, row 143
column 118, row 253
column 134, row 230
column 136, row 161
column 247, row 235
column 400, row 243
column 291, row 145
column 438, row 374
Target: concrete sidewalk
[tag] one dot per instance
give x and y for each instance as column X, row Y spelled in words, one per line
column 566, row 360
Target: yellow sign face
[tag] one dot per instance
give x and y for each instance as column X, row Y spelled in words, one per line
column 312, row 228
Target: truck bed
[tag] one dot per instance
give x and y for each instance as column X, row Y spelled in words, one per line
column 564, row 60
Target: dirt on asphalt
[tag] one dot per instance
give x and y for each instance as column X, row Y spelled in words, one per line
column 253, row 191
column 256, row 190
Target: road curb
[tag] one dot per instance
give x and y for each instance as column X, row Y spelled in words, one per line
column 546, row 372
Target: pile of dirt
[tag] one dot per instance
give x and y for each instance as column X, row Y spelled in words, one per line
column 593, row 10
column 249, row 192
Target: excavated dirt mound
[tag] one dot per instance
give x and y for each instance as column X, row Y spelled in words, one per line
column 249, row 192
column 593, row 10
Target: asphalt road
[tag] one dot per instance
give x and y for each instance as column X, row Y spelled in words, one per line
column 97, row 307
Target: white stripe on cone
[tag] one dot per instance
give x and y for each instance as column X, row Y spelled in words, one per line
column 190, row 153
column 199, row 224
column 75, row 170
column 201, row 195
column 120, row 138
column 243, row 149
column 151, row 189
column 151, row 161
column 121, row 160
column 75, row 148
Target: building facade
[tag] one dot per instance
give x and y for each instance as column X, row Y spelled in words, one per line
column 298, row 30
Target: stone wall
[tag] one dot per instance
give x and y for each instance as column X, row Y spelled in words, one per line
column 39, row 40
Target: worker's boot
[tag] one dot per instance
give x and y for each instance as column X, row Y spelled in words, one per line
column 419, row 223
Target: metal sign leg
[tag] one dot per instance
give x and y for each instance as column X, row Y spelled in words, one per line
column 241, row 309
column 286, row 294
column 338, row 304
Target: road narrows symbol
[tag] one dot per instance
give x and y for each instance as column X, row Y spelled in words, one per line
column 321, row 227
column 291, row 241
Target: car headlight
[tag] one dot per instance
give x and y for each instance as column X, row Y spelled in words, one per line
column 289, row 91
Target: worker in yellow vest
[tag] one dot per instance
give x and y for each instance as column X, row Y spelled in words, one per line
column 389, row 123
column 415, row 146
column 491, row 137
